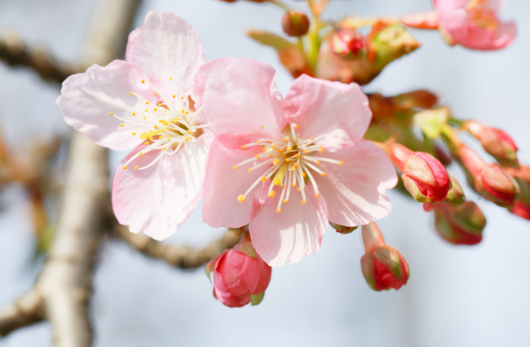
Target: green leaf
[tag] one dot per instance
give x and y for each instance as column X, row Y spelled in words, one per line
column 256, row 299
column 269, row 39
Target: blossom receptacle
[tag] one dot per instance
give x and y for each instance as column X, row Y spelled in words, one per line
column 297, row 164
column 383, row 266
column 474, row 24
column 240, row 275
column 459, row 225
column 341, row 229
column 295, row 24
column 349, row 44
column 490, row 180
column 494, row 141
column 424, row 176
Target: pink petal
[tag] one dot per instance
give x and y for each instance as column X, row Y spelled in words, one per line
column 253, row 272
column 87, row 99
column 133, row 197
column 223, row 185
column 178, row 183
column 166, row 47
column 239, row 100
column 291, row 234
column 355, row 191
column 319, row 107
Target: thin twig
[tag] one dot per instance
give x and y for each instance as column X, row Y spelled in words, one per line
column 27, row 310
column 14, row 52
column 178, row 256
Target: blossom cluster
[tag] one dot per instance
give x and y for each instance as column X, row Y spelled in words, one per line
column 281, row 169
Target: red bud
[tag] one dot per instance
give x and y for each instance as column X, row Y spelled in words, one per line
column 521, row 207
column 459, row 225
column 295, row 23
column 494, row 141
column 491, row 181
column 383, row 267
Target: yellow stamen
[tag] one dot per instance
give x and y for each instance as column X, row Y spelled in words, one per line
column 122, row 125
column 234, row 167
column 241, row 198
column 140, row 154
column 112, row 114
column 125, row 167
column 285, row 201
column 279, row 210
column 323, row 174
column 134, row 113
column 303, row 202
column 263, row 179
column 341, row 162
column 272, row 193
column 136, row 167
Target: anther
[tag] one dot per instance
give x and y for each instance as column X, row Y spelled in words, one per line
column 279, row 210
column 134, row 113
column 133, row 133
column 140, row 154
column 136, row 167
column 164, row 148
column 249, row 170
column 234, row 167
column 171, row 78
column 263, row 179
column 303, row 202
column 122, row 125
column 125, row 167
column 130, row 93
column 146, row 143
column 143, row 81
column 318, row 162
column 299, row 189
column 317, row 195
column 272, row 193
column 154, row 109
column 285, row 201
column 341, row 162
column 241, row 198
column 243, row 146
column 173, row 96
column 156, row 93
column 323, row 174
column 112, row 114
column 261, row 126
column 147, row 102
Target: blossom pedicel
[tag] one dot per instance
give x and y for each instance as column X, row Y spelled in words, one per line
column 240, row 275
column 474, row 24
column 494, row 141
column 143, row 103
column 383, row 267
column 288, row 166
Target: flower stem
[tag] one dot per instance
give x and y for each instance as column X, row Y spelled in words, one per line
column 280, row 4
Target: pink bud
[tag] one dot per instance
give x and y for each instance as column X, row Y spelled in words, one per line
column 383, row 267
column 295, row 24
column 348, row 43
column 491, row 181
column 239, row 277
column 494, row 141
column 459, row 225
column 424, row 176
column 521, row 207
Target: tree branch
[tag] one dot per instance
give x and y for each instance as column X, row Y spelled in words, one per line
column 14, row 52
column 27, row 310
column 178, row 256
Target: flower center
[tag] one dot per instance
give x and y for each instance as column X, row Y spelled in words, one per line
column 167, row 125
column 292, row 163
column 482, row 14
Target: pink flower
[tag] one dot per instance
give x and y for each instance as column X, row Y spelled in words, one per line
column 142, row 103
column 289, row 166
column 240, row 275
column 474, row 23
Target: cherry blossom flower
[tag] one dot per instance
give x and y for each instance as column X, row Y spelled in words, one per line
column 288, row 167
column 474, row 23
column 143, row 103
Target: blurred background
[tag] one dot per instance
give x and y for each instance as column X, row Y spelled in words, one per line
column 456, row 295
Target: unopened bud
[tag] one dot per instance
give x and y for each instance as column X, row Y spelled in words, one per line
column 383, row 267
column 240, row 275
column 295, row 24
column 459, row 225
column 348, row 44
column 423, row 175
column 342, row 229
column 494, row 141
column 490, row 180
column 390, row 42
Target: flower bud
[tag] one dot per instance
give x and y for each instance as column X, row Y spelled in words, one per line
column 295, row 23
column 342, row 229
column 459, row 225
column 383, row 267
column 490, row 180
column 521, row 207
column 456, row 193
column 494, row 141
column 423, row 175
column 240, row 275
column 348, row 44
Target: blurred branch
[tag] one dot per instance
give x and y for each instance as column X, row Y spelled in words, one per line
column 27, row 310
column 178, row 256
column 14, row 52
column 65, row 284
